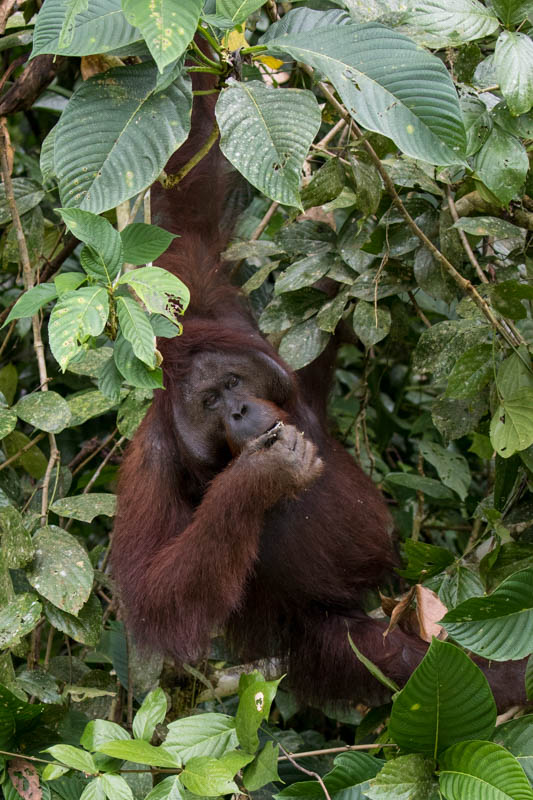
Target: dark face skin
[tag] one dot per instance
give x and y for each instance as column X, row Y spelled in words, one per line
column 229, row 400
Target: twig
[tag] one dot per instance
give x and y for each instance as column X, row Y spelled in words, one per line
column 309, row 772
column 464, row 284
column 5, row 12
column 418, row 310
column 94, row 453
column 136, row 206
column 264, row 222
column 7, row 337
column 331, row 133
column 28, row 86
column 419, row 512
column 462, row 235
column 169, row 181
column 330, row 750
column 97, row 472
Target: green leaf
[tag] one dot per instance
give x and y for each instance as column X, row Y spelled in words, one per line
column 303, row 343
column 455, row 21
column 169, row 788
column 378, row 75
column 143, row 243
column 511, row 427
column 471, row 372
column 152, row 711
column 427, row 721
column 371, row 287
column 100, row 731
column 17, row 546
column 304, row 272
column 371, row 323
column 208, row 734
column 33, row 460
column 139, row 751
column 160, row 291
column 459, row 586
column 8, row 382
column 133, row 370
column 73, row 757
column 256, row 696
column 89, row 404
column 373, row 668
column 514, row 373
column 348, row 779
column 53, row 771
column 69, row 281
column 93, row 790
column 507, row 296
column 326, row 184
column 46, row 411
column 208, row 777
column 452, row 468
column 488, row 226
column 28, row 194
column 135, row 327
column 119, row 108
column 166, row 25
column 110, row 382
column 90, row 362
column 264, row 768
column 424, row 560
column 17, row 618
column 480, row 770
column 8, row 421
column 61, row 570
column 85, row 627
column 85, row 507
column 102, row 238
column 419, row 483
column 502, row 165
column 498, row 626
column 116, row 787
column 76, row 316
column 266, row 134
column 404, row 778
column 133, row 410
column 237, row 10
column 512, row 12
column 440, row 346
column 31, row 301
column 98, row 29
column 513, row 62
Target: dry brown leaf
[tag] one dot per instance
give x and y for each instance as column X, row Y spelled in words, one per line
column 94, row 65
column 25, row 779
column 429, row 609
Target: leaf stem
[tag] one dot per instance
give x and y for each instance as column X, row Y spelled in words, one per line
column 209, row 37
column 256, row 48
column 170, row 181
column 203, row 57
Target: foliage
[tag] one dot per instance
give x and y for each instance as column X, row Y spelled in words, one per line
column 388, row 147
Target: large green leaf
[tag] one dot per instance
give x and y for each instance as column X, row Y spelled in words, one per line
column 152, row 711
column 499, row 626
column 61, row 570
column 28, row 194
column 133, row 369
column 85, row 627
column 85, row 507
column 166, row 25
column 126, row 151
column 237, row 10
column 371, row 323
column 480, row 770
column 17, row 618
column 453, row 21
column 266, row 134
column 513, row 62
column 98, row 29
column 105, row 242
column 75, row 317
column 208, row 777
column 140, row 751
column 303, row 343
column 143, row 243
column 202, row 735
column 389, row 84
column 405, row 778
column 346, row 780
column 447, row 699
column 452, row 468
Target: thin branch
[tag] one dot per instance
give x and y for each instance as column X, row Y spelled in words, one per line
column 466, row 244
column 464, row 284
column 418, row 310
column 136, row 206
column 331, row 750
column 264, row 222
column 7, row 337
column 170, row 181
column 94, row 453
column 98, row 471
column 309, row 772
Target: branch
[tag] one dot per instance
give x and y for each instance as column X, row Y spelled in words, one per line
column 464, row 284
column 309, row 772
column 170, row 181
column 27, row 446
column 28, row 86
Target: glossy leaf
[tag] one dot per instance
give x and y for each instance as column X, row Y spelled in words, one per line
column 150, row 714
column 482, row 771
column 500, row 625
column 427, row 721
column 104, row 241
column 135, row 327
column 167, row 26
column 76, row 316
column 31, row 301
column 143, row 243
column 410, row 777
column 202, row 735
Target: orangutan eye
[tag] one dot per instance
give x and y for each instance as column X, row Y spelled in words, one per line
column 232, row 381
column 210, row 400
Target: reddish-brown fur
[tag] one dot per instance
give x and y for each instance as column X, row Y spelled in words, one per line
column 197, row 548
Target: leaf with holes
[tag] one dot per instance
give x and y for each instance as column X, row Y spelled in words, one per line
column 160, row 291
column 511, row 427
column 266, row 134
